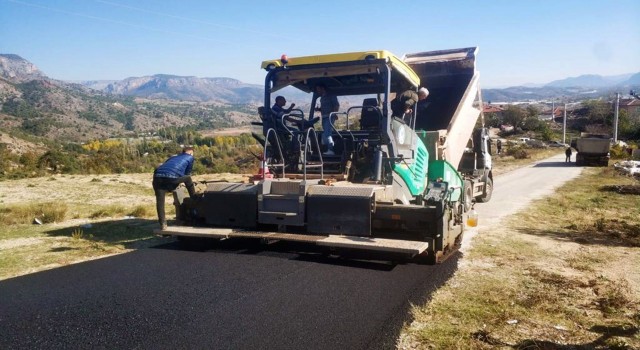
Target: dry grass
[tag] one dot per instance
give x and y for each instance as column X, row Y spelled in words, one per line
column 84, row 217
column 503, row 163
column 564, row 276
column 26, row 213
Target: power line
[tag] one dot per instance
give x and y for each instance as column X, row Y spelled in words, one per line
column 182, row 18
column 125, row 23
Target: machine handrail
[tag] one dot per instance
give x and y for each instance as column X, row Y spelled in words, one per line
column 311, row 131
column 264, row 152
column 333, row 127
column 284, row 116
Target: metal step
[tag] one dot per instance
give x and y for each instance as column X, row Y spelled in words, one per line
column 361, row 243
column 281, row 209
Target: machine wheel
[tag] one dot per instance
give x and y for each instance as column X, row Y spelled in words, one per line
column 428, row 257
column 488, row 190
column 468, row 195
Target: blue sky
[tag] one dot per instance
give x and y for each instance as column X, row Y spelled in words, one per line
column 520, row 42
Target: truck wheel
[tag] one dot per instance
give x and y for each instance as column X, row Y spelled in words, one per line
column 468, row 195
column 488, row 190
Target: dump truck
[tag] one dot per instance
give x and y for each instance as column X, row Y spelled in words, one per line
column 593, row 149
column 399, row 185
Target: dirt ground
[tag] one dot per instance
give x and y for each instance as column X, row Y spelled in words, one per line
column 230, row 131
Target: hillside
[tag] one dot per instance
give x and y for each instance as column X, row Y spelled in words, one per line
column 34, row 104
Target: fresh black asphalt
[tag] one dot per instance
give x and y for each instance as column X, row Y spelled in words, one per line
column 225, row 297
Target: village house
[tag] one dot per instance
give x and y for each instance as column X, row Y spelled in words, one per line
column 632, row 106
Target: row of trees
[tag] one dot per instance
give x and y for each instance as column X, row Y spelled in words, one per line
column 525, row 119
column 213, row 155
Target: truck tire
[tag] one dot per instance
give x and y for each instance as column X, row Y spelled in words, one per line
column 468, row 195
column 488, row 190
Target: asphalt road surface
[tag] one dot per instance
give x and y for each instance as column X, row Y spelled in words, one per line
column 238, row 296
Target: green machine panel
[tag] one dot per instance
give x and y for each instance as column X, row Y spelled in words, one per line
column 441, row 169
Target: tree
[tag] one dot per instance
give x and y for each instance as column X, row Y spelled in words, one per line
column 598, row 112
column 514, row 115
column 492, row 120
column 532, row 111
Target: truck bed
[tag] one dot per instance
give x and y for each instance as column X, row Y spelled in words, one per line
column 454, row 101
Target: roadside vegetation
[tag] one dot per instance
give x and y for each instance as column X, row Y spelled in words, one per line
column 218, row 154
column 561, row 275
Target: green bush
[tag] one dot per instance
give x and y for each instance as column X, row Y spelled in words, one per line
column 518, row 152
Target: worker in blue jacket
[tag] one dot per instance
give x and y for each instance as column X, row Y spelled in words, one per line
column 168, row 176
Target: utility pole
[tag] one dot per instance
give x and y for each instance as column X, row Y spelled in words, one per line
column 615, row 121
column 564, row 125
column 553, row 109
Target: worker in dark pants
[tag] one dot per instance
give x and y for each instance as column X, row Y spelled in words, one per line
column 567, row 153
column 168, row 176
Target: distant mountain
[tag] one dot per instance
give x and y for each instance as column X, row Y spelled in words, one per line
column 96, row 84
column 633, row 80
column 172, row 87
column 17, row 69
column 589, row 81
column 577, row 88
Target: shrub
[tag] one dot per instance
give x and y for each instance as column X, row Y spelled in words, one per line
column 108, row 211
column 618, row 152
column 139, row 211
column 25, row 214
column 77, row 233
column 518, row 152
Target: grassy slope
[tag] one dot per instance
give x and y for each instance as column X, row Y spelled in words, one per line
column 565, row 272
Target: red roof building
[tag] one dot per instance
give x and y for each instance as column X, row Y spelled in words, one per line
column 632, row 106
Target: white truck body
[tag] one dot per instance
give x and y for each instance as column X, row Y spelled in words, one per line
column 592, row 149
column 452, row 114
